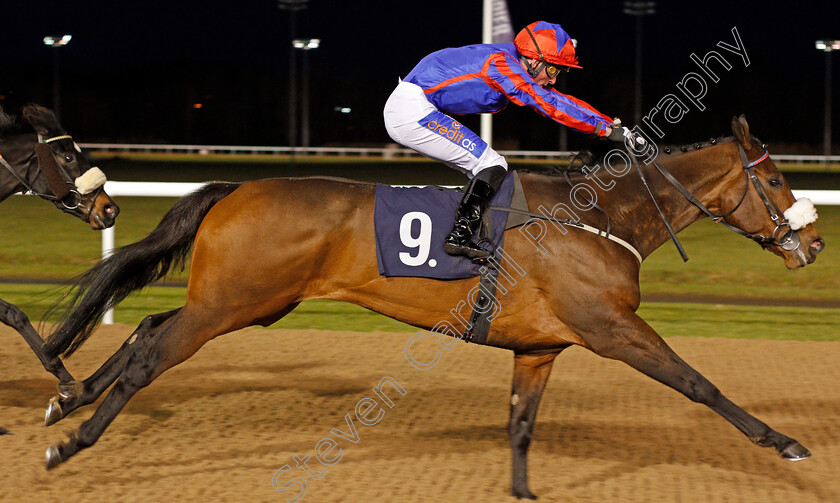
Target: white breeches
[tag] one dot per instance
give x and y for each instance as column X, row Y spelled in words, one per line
column 415, row 123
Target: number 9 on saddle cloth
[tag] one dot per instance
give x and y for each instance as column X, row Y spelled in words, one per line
column 411, row 224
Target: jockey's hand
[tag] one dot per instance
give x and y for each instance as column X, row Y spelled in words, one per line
column 616, row 135
column 622, row 134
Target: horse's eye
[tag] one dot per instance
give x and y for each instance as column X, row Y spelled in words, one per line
column 775, row 182
column 68, row 158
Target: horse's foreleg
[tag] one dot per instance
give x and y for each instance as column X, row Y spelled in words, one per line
column 530, row 373
column 12, row 316
column 634, row 342
column 92, row 388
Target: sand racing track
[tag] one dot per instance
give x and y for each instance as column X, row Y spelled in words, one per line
column 218, row 427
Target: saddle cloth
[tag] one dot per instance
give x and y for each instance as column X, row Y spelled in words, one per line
column 411, row 223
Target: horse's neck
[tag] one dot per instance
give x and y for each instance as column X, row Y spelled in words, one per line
column 18, row 160
column 702, row 172
column 633, row 215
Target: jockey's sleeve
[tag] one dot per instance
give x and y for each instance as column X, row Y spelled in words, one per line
column 506, row 75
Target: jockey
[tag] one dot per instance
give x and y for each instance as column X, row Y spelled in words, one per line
column 484, row 78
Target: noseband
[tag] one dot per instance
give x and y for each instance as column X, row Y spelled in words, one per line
column 784, row 236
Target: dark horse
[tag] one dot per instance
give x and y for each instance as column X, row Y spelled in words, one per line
column 260, row 248
column 38, row 156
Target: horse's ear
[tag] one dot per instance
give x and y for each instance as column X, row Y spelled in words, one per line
column 42, row 120
column 6, row 120
column 741, row 130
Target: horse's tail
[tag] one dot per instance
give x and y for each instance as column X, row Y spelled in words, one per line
column 132, row 268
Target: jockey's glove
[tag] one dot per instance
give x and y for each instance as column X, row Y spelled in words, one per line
column 622, row 134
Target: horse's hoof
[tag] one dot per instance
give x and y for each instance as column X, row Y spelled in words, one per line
column 795, row 452
column 54, row 413
column 70, row 389
column 519, row 494
column 4, row 431
column 53, row 457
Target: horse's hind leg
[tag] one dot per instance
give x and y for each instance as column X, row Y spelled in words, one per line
column 175, row 342
column 92, row 388
column 530, row 373
column 12, row 316
column 638, row 345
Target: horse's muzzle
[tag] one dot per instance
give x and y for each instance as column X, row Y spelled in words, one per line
column 102, row 212
column 105, row 218
column 815, row 247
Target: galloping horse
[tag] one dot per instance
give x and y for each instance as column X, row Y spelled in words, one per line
column 260, row 248
column 38, row 156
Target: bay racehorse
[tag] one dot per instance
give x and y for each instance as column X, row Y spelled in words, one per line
column 39, row 157
column 260, row 248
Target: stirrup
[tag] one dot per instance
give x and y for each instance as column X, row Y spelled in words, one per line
column 469, row 250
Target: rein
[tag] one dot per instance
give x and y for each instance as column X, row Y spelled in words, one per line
column 29, row 189
column 783, row 235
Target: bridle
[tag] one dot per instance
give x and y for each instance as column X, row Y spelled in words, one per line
column 783, row 235
column 72, row 199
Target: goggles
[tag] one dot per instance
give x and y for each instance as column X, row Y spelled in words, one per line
column 554, row 70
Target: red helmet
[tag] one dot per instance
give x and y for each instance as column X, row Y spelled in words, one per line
column 546, row 42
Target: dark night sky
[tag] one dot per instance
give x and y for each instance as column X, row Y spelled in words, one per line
column 133, row 69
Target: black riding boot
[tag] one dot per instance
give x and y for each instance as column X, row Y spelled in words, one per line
column 475, row 201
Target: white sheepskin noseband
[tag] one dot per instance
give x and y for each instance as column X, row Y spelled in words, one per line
column 94, row 178
column 801, row 213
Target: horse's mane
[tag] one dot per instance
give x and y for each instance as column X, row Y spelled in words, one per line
column 681, row 149
column 594, row 153
column 8, row 124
